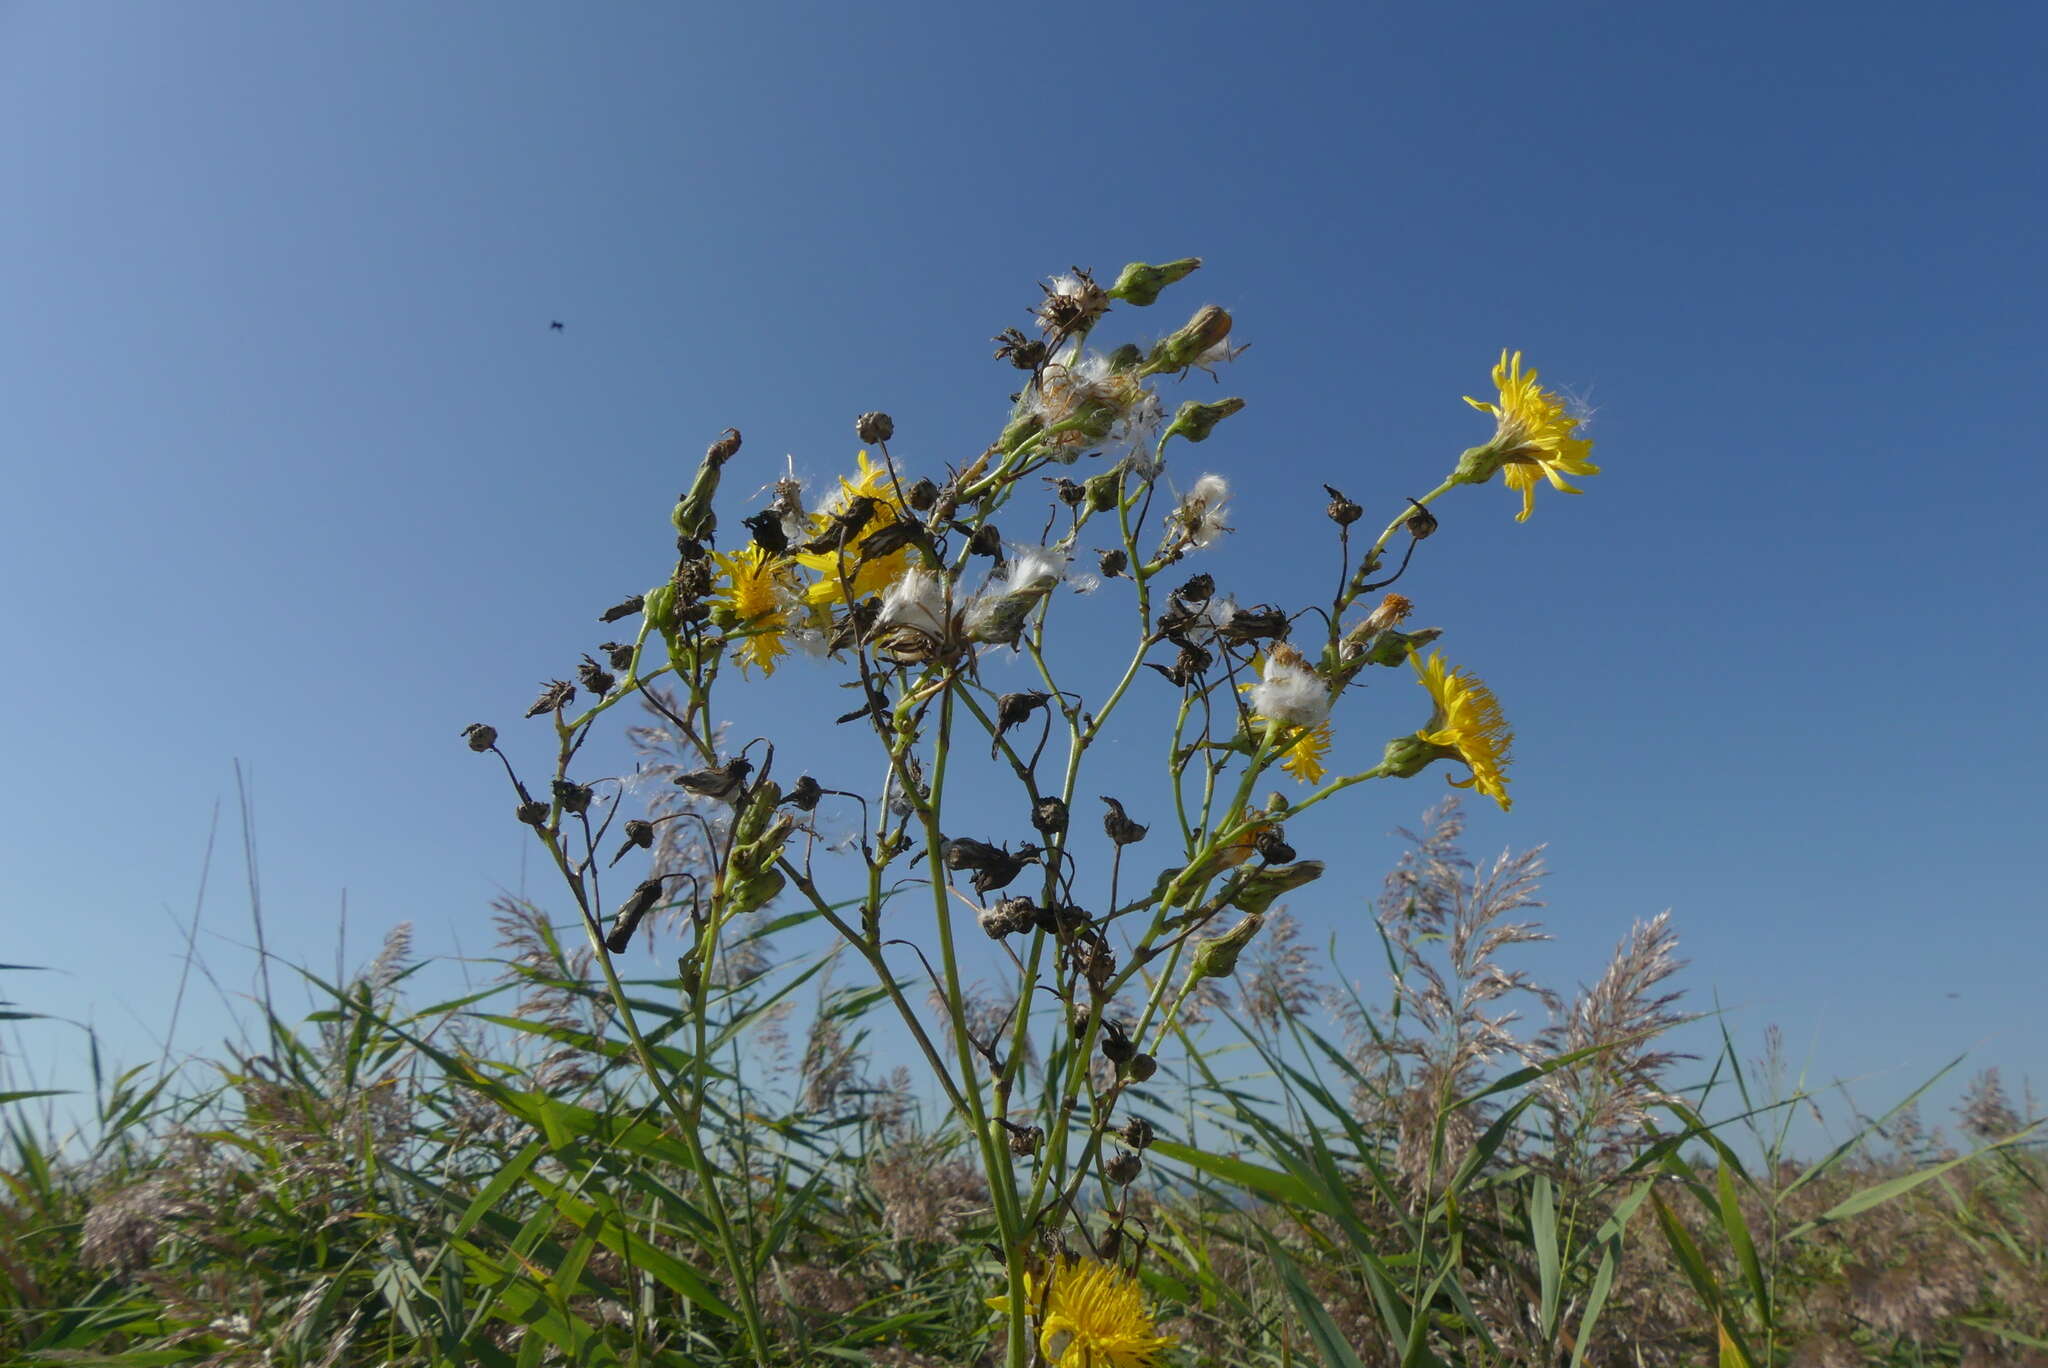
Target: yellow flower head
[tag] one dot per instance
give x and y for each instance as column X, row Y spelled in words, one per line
column 759, row 595
column 843, row 576
column 1533, row 435
column 1303, row 754
column 1467, row 721
column 1090, row 1316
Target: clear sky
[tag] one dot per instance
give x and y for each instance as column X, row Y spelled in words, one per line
column 296, row 472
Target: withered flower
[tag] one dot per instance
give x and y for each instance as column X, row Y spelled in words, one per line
column 1049, row 815
column 1123, row 1169
column 594, row 677
column 534, row 813
column 1009, row 917
column 1119, row 826
column 1113, row 563
column 1198, row 589
column 843, row 526
column 1137, row 1133
column 875, row 427
column 1420, row 522
column 1117, row 1045
column 804, row 794
column 574, row 797
column 556, row 693
column 724, row 782
column 1272, row 846
column 620, row 653
column 1142, row 1067
column 622, row 609
column 768, row 531
column 1014, row 708
column 922, row 495
column 481, row 736
column 639, row 834
column 1254, row 624
column 1022, row 351
column 645, row 896
column 1342, row 511
column 993, row 866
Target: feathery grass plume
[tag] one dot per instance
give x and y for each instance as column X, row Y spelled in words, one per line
column 1986, row 1112
column 1283, row 983
column 1599, row 1104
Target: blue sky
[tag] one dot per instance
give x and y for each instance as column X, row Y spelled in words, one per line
column 297, row 474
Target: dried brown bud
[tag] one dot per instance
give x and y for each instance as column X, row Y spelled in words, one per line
column 481, row 736
column 594, row 677
column 875, row 427
column 639, row 835
column 1012, row 709
column 1198, row 589
column 574, row 797
column 1142, row 1067
column 768, row 532
column 725, row 782
column 1049, row 816
column 804, row 794
column 645, row 896
column 1025, row 1140
column 556, row 693
column 1010, row 917
column 725, row 448
column 1025, row 353
column 533, row 812
column 922, row 495
column 1254, row 624
column 623, row 608
column 1117, row 1045
column 620, row 653
column 1137, row 1133
column 1069, row 493
column 1113, row 563
column 1271, row 843
column 986, row 541
column 1342, row 511
column 1119, row 826
column 1124, row 1168
column 1420, row 522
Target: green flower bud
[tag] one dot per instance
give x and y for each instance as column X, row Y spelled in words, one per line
column 1258, row 892
column 1216, row 957
column 1140, row 282
column 1179, row 350
column 659, row 607
column 1101, row 491
column 1013, row 436
column 1195, row 421
column 1394, row 648
column 1126, row 357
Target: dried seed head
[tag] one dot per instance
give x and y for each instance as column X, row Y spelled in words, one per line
column 1137, row 1133
column 1025, row 1140
column 1024, row 352
column 594, row 677
column 1420, row 522
column 725, row 448
column 1142, row 1067
column 1071, row 302
column 640, row 833
column 574, row 797
column 1069, row 493
column 922, row 495
column 1013, row 708
column 1010, row 917
column 1271, row 843
column 724, row 782
column 481, row 736
column 1118, row 825
column 1342, row 511
column 534, row 813
column 1113, row 563
column 556, row 693
column 619, row 653
column 768, row 532
column 804, row 794
column 986, row 541
column 1393, row 610
column 1079, row 1018
column 1198, row 589
column 1117, row 1045
column 875, row 427
column 1049, row 816
column 1124, row 1168
column 623, row 608
column 645, row 896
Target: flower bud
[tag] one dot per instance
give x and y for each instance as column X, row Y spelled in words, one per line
column 1140, row 282
column 1394, row 648
column 1102, row 491
column 1142, row 1067
column 1124, row 358
column 1177, row 351
column 1195, row 421
column 1124, row 1168
column 875, row 427
column 1216, row 956
column 481, row 736
column 1258, row 892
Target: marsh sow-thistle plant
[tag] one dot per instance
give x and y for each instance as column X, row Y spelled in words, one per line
column 896, row 582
